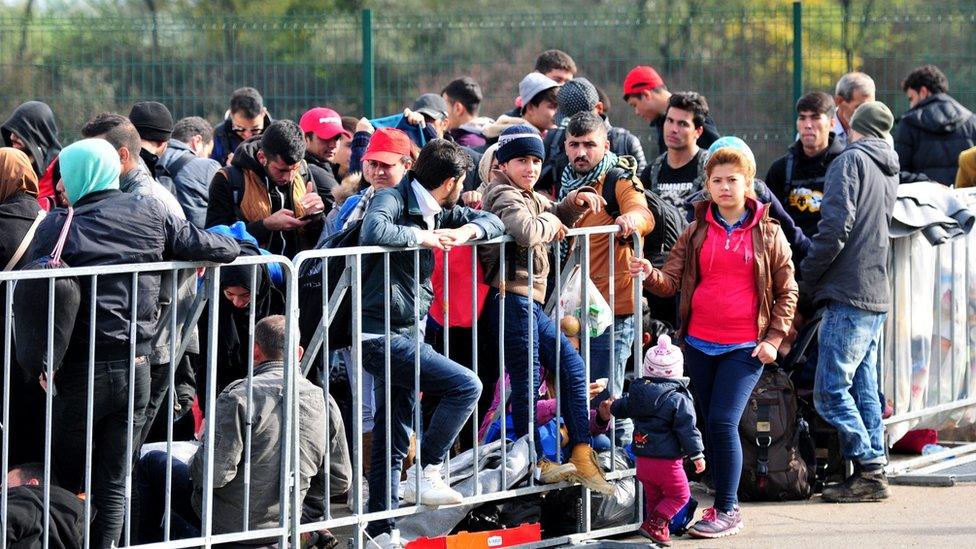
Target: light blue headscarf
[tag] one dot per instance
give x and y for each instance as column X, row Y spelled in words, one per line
column 89, row 166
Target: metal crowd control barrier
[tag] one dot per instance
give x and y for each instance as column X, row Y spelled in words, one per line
column 93, row 279
column 929, row 352
column 291, row 525
column 351, row 282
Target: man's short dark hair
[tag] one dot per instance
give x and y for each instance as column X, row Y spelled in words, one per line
column 692, row 102
column 927, row 75
column 248, row 102
column 187, row 128
column 817, row 102
column 584, row 123
column 465, row 91
column 440, row 160
column 283, row 140
column 29, row 471
column 116, row 129
column 269, row 336
column 554, row 59
column 548, row 95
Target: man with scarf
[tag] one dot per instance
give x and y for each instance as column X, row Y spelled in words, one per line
column 109, row 227
column 268, row 186
column 592, row 164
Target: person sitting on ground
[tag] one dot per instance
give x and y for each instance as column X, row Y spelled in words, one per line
column 269, row 187
column 246, row 118
column 25, row 511
column 664, row 433
column 534, row 222
column 318, row 438
column 733, row 268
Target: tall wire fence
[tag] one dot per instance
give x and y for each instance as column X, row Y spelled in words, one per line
column 742, row 60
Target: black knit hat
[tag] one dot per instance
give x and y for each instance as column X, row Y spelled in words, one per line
column 518, row 141
column 152, row 120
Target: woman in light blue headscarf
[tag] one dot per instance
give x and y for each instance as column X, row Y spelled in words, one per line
column 88, row 166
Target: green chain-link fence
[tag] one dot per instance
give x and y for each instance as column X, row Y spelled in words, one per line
column 741, row 59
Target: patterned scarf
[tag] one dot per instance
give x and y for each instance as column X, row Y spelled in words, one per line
column 570, row 182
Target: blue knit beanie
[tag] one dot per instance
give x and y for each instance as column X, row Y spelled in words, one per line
column 518, row 141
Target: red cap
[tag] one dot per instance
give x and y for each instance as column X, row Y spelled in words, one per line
column 642, row 78
column 388, row 145
column 325, row 123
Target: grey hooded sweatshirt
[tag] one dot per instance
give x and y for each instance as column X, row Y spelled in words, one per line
column 848, row 258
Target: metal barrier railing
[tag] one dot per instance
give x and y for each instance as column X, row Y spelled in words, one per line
column 351, row 281
column 290, row 524
column 929, row 366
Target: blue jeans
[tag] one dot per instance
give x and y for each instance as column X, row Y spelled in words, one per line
column 846, row 387
column 572, row 381
column 623, row 346
column 722, row 385
column 458, row 389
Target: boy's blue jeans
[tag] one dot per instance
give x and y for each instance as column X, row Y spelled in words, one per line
column 846, row 387
column 458, row 389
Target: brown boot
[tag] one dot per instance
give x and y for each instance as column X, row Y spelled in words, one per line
column 588, row 471
column 409, row 459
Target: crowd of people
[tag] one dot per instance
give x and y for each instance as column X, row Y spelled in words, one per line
column 753, row 260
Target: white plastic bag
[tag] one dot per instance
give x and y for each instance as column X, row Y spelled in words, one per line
column 600, row 315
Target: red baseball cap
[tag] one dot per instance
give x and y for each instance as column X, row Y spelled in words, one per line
column 323, row 122
column 388, row 145
column 640, row 78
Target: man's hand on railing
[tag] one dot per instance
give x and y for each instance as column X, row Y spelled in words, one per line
column 429, row 239
column 455, row 237
column 627, row 225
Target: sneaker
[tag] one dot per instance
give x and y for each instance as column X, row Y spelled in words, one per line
column 656, row 530
column 717, row 524
column 389, row 540
column 862, row 486
column 548, row 472
column 588, row 471
column 433, row 490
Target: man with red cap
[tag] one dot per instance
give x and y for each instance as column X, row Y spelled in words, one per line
column 323, row 133
column 644, row 90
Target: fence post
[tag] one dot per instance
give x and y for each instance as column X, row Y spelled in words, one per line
column 797, row 49
column 368, row 63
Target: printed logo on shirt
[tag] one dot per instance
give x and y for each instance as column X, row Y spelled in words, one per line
column 675, row 193
column 805, row 200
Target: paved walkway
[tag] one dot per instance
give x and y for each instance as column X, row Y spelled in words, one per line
column 913, row 517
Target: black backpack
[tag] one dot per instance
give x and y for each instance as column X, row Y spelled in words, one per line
column 310, row 292
column 778, row 461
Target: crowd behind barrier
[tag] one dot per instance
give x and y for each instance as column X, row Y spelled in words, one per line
column 239, row 335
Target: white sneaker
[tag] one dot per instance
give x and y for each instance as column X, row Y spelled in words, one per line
column 433, row 490
column 385, row 541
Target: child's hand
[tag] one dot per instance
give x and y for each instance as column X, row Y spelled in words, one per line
column 699, row 465
column 639, row 267
column 604, row 410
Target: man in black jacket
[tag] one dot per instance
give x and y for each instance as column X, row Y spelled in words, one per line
column 25, row 511
column 797, row 178
column 580, row 95
column 110, row 228
column 268, row 186
column 323, row 139
column 847, row 270
column 32, row 129
column 186, row 169
column 421, row 211
column 246, row 118
column 935, row 129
